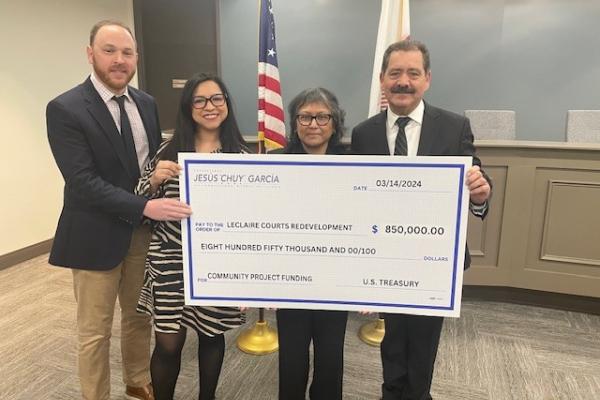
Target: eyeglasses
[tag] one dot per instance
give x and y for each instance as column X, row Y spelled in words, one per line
column 306, row 120
column 200, row 102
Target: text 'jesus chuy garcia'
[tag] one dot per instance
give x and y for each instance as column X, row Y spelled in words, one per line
column 237, row 179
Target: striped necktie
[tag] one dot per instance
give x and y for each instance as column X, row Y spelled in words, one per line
column 401, row 147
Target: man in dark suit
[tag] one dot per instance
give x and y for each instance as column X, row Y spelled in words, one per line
column 102, row 133
column 412, row 127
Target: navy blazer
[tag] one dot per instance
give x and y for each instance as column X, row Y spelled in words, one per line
column 99, row 210
column 443, row 133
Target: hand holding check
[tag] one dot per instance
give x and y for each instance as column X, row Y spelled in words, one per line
column 479, row 187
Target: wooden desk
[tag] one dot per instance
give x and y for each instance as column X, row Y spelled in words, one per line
column 543, row 229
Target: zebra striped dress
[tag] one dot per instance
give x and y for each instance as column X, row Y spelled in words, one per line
column 162, row 295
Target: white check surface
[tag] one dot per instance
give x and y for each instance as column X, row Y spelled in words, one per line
column 325, row 232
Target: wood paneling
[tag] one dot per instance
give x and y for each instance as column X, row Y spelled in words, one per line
column 543, row 227
column 572, row 223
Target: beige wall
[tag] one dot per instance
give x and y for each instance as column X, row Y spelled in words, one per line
column 43, row 55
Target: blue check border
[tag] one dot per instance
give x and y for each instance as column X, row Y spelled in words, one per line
column 455, row 267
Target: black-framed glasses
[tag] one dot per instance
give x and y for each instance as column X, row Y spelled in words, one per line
column 217, row 100
column 306, row 120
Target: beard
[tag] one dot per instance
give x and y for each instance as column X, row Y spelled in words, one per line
column 114, row 84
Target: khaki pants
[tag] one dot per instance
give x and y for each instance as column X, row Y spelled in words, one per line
column 96, row 293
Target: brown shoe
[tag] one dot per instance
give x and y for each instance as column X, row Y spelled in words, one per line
column 139, row 393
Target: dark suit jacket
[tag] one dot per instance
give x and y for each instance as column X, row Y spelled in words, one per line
column 442, row 134
column 100, row 210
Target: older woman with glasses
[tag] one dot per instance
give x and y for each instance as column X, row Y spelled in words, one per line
column 316, row 128
column 205, row 124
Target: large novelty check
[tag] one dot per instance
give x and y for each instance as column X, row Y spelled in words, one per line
column 325, row 232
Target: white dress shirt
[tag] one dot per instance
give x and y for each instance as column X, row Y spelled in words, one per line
column 412, row 129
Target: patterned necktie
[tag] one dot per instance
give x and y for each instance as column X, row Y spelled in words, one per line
column 401, row 147
column 127, row 136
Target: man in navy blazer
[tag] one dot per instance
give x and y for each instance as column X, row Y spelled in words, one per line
column 412, row 127
column 102, row 133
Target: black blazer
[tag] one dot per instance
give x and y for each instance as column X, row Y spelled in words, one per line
column 100, row 210
column 443, row 133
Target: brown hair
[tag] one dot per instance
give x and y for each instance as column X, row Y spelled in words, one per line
column 107, row 22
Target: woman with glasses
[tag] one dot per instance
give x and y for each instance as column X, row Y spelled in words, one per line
column 316, row 128
column 205, row 124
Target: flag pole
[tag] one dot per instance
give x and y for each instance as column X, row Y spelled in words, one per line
column 260, row 149
column 372, row 332
column 261, row 338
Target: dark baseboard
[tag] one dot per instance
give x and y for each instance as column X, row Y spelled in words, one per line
column 27, row 253
column 567, row 302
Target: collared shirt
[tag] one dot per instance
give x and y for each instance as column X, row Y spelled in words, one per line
column 413, row 136
column 412, row 129
column 137, row 125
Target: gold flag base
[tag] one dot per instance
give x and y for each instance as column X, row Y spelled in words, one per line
column 372, row 333
column 258, row 340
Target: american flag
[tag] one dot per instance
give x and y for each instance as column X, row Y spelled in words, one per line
column 271, row 125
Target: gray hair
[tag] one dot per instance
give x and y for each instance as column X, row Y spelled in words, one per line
column 322, row 96
column 406, row 45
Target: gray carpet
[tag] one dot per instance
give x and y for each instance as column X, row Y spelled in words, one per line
column 494, row 351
